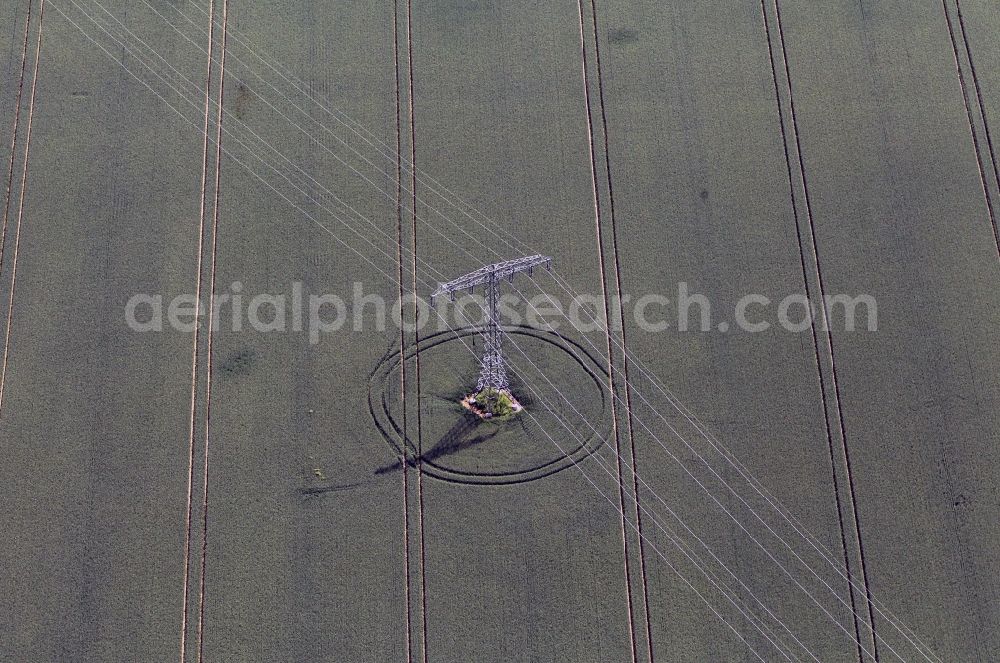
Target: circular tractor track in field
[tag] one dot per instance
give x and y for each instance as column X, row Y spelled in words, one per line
column 461, row 448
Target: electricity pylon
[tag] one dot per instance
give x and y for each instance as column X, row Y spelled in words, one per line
column 492, row 365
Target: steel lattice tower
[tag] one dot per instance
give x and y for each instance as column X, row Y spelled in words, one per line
column 492, row 365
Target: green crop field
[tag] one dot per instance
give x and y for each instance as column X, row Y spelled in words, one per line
column 232, row 431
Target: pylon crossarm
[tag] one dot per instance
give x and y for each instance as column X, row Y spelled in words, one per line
column 500, row 270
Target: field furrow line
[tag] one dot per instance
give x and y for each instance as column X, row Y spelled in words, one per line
column 825, row 395
column 980, row 160
column 416, row 366
column 211, row 309
column 815, row 342
column 404, row 463
column 13, row 134
column 607, row 316
column 621, row 320
column 194, row 344
column 20, row 207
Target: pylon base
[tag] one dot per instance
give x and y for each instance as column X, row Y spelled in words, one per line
column 472, row 403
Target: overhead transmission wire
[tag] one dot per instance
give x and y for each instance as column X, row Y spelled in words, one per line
column 799, row 528
column 824, row 552
column 714, row 499
column 433, row 228
column 305, row 213
column 129, row 50
column 661, row 388
column 225, row 150
column 716, row 444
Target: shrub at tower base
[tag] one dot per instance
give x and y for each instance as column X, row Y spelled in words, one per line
column 490, row 403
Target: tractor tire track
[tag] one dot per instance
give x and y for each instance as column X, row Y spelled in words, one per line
column 402, row 336
column 194, row 349
column 20, row 203
column 211, row 309
column 607, row 316
column 621, row 320
column 413, row 230
column 811, row 244
column 980, row 160
column 979, row 93
column 819, row 369
column 13, row 134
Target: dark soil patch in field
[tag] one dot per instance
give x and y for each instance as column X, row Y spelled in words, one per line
column 623, row 36
column 239, row 362
column 241, row 105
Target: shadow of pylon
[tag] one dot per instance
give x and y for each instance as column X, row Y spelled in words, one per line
column 451, row 442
